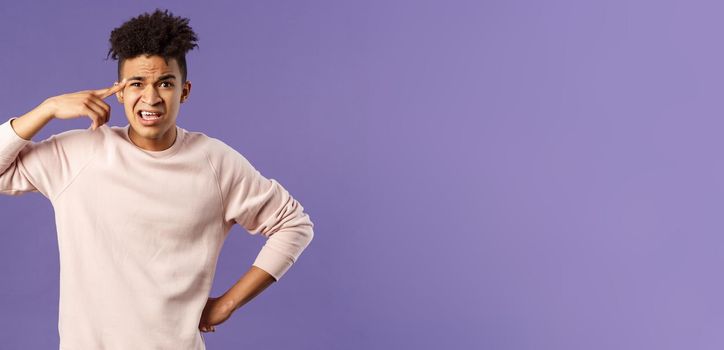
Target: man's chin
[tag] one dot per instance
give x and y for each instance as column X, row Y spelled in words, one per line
column 150, row 131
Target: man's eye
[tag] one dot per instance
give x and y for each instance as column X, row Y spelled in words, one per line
column 169, row 83
column 134, row 84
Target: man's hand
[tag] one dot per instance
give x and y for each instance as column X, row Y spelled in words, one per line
column 216, row 311
column 83, row 103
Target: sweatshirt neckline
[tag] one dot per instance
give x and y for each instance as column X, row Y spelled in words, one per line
column 158, row 154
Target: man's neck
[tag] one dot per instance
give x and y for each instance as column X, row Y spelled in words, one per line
column 154, row 145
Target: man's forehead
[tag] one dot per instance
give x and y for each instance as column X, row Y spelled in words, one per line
column 143, row 77
column 142, row 67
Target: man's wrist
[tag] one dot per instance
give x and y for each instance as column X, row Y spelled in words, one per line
column 46, row 110
column 229, row 303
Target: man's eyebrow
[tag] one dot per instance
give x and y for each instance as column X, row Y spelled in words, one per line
column 163, row 77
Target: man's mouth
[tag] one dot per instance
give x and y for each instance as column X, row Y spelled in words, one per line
column 149, row 115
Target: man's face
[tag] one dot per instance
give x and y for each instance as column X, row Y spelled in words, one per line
column 153, row 86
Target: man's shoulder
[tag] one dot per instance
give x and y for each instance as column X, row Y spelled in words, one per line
column 222, row 156
column 211, row 145
column 76, row 138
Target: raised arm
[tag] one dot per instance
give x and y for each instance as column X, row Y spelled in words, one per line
column 26, row 166
column 30, row 123
column 73, row 105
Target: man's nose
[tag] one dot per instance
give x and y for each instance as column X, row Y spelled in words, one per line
column 150, row 96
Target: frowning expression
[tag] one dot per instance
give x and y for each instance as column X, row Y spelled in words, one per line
column 152, row 97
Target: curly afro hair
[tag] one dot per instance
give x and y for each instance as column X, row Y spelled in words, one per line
column 158, row 33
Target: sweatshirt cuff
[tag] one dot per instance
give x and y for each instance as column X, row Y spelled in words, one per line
column 10, row 142
column 273, row 262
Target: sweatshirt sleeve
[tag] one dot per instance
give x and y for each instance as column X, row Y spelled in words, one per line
column 45, row 166
column 262, row 205
column 14, row 177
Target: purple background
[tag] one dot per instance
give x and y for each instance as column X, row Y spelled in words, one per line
column 488, row 175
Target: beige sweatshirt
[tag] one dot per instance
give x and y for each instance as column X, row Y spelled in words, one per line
column 139, row 232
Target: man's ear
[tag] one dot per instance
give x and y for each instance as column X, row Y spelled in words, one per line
column 186, row 91
column 119, row 96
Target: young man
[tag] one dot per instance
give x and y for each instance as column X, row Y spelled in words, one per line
column 142, row 211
